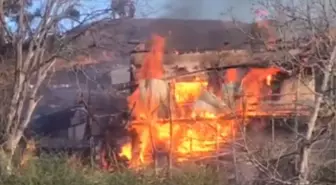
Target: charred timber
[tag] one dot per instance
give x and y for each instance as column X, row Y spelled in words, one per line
column 258, row 46
column 192, row 60
column 225, row 118
column 221, row 59
column 180, row 51
column 133, row 84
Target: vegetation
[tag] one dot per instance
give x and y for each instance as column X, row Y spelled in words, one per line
column 31, row 41
column 53, row 170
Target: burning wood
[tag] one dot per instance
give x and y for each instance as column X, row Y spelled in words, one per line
column 208, row 102
column 153, row 91
column 195, row 115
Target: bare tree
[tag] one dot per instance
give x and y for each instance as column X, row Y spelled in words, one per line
column 305, row 32
column 36, row 42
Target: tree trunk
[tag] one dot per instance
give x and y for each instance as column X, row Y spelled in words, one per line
column 27, row 99
column 306, row 148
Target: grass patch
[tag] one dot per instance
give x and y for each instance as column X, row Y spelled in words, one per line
column 53, row 170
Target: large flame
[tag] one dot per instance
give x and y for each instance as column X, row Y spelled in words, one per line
column 193, row 134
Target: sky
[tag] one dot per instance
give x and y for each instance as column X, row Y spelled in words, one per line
column 180, row 9
column 192, row 9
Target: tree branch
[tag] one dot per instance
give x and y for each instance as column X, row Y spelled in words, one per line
column 306, row 149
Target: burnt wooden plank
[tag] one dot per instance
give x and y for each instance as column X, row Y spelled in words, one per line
column 191, row 62
column 290, row 113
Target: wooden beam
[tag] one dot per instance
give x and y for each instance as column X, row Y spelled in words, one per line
column 222, row 118
column 216, row 58
column 132, row 84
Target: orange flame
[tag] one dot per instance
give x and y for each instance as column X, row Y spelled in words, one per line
column 152, row 66
column 231, row 75
column 194, row 134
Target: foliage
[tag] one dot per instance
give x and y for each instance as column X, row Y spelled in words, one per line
column 53, row 170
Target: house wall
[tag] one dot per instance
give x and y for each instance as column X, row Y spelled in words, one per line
column 196, row 60
column 191, row 62
column 302, row 90
column 80, row 120
column 296, row 94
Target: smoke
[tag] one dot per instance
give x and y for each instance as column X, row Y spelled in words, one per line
column 185, row 9
column 208, row 9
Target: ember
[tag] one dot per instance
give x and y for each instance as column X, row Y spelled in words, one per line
column 188, row 133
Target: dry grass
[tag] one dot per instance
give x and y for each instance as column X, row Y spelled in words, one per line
column 51, row 170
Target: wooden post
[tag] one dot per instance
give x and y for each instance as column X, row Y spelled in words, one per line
column 296, row 124
column 135, row 147
column 89, row 132
column 333, row 86
column 161, row 158
column 190, row 141
column 273, row 131
column 132, row 77
column 217, row 147
column 171, row 147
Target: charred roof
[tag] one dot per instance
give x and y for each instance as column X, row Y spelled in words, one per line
column 180, row 35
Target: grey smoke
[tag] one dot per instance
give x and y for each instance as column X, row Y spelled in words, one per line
column 185, row 9
column 208, row 9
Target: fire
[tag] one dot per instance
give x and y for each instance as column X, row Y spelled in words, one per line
column 126, row 150
column 152, row 67
column 231, row 75
column 188, row 91
column 252, row 85
column 269, row 80
column 191, row 139
column 186, row 133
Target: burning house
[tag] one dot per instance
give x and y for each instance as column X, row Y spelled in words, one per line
column 194, row 83
column 193, row 94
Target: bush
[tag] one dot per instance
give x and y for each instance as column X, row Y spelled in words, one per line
column 52, row 170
